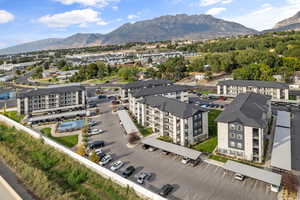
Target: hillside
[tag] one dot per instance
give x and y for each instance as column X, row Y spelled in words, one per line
column 292, row 23
column 196, row 27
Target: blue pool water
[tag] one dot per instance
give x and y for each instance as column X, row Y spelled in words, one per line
column 71, row 125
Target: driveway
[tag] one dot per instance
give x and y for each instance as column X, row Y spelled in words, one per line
column 202, row 182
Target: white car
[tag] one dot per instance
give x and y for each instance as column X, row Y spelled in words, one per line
column 116, row 165
column 105, row 160
column 185, row 160
column 144, row 176
column 97, row 151
column 95, row 131
column 239, row 177
column 92, row 123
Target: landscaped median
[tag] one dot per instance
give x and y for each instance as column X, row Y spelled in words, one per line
column 50, row 174
column 68, row 141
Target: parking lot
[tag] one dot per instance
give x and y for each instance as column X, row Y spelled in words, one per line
column 202, row 182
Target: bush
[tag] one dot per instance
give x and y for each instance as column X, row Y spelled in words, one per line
column 133, row 138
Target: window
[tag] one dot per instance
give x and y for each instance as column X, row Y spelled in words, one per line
column 232, row 144
column 232, row 127
column 239, row 136
column 239, row 128
column 232, row 135
column 239, row 145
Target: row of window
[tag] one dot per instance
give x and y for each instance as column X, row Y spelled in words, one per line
column 238, row 145
column 236, row 136
column 236, row 127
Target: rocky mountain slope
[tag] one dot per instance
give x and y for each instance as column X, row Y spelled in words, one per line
column 196, row 27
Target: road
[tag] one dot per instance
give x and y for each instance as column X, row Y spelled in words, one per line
column 13, row 181
column 202, row 182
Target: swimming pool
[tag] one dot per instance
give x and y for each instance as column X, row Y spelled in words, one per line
column 70, row 126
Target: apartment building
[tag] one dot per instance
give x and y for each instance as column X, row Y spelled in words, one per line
column 185, row 123
column 231, row 88
column 243, row 125
column 179, row 92
column 137, row 85
column 52, row 103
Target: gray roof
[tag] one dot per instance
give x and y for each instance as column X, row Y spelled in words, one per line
column 127, row 122
column 173, row 148
column 262, row 84
column 145, row 84
column 250, row 109
column 173, row 106
column 161, row 90
column 254, row 172
column 50, row 90
column 281, row 152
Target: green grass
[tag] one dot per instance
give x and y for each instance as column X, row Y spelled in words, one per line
column 50, row 174
column 165, row 139
column 68, row 141
column 207, row 146
column 13, row 115
column 143, row 130
column 212, row 125
column 219, row 158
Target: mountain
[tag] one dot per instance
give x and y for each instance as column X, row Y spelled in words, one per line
column 292, row 23
column 170, row 27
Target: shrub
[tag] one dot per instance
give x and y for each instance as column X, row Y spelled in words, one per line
column 133, row 138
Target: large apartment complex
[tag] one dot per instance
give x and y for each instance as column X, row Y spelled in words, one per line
column 185, row 123
column 52, row 103
column 243, row 125
column 178, row 92
column 131, row 87
column 231, row 88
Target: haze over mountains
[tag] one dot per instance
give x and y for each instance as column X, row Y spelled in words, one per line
column 178, row 27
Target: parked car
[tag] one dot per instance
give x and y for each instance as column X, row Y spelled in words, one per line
column 185, row 160
column 105, row 160
column 165, row 152
column 114, row 102
column 166, row 190
column 92, row 123
column 145, row 146
column 194, row 163
column 143, row 177
column 96, row 144
column 151, row 149
column 116, row 165
column 96, row 131
column 128, row 171
column 239, row 177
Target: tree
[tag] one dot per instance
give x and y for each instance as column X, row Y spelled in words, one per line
column 94, row 157
column 81, row 150
column 290, row 182
column 133, row 138
column 208, row 75
column 128, row 73
column 18, row 72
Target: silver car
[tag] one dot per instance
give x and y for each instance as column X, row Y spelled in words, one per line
column 105, row 160
column 143, row 177
column 116, row 165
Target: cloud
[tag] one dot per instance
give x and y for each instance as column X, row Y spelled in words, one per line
column 115, row 8
column 267, row 15
column 75, row 17
column 98, row 3
column 213, row 2
column 215, row 11
column 6, row 17
column 132, row 16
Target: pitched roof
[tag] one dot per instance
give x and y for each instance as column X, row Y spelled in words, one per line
column 173, row 106
column 50, row 90
column 250, row 109
column 148, row 83
column 160, row 90
column 263, row 84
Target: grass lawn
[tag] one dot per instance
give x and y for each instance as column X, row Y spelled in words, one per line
column 218, row 158
column 144, row 131
column 68, row 141
column 207, row 146
column 13, row 115
column 212, row 125
column 165, row 139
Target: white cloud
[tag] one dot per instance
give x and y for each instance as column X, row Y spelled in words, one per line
column 213, row 2
column 115, row 8
column 98, row 3
column 267, row 15
column 6, row 17
column 215, row 11
column 132, row 16
column 75, row 17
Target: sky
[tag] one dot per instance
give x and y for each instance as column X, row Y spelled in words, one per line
column 28, row 20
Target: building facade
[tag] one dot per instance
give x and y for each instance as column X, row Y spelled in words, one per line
column 52, row 103
column 242, row 127
column 232, row 88
column 184, row 123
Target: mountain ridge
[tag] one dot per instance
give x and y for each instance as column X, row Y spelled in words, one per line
column 168, row 27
